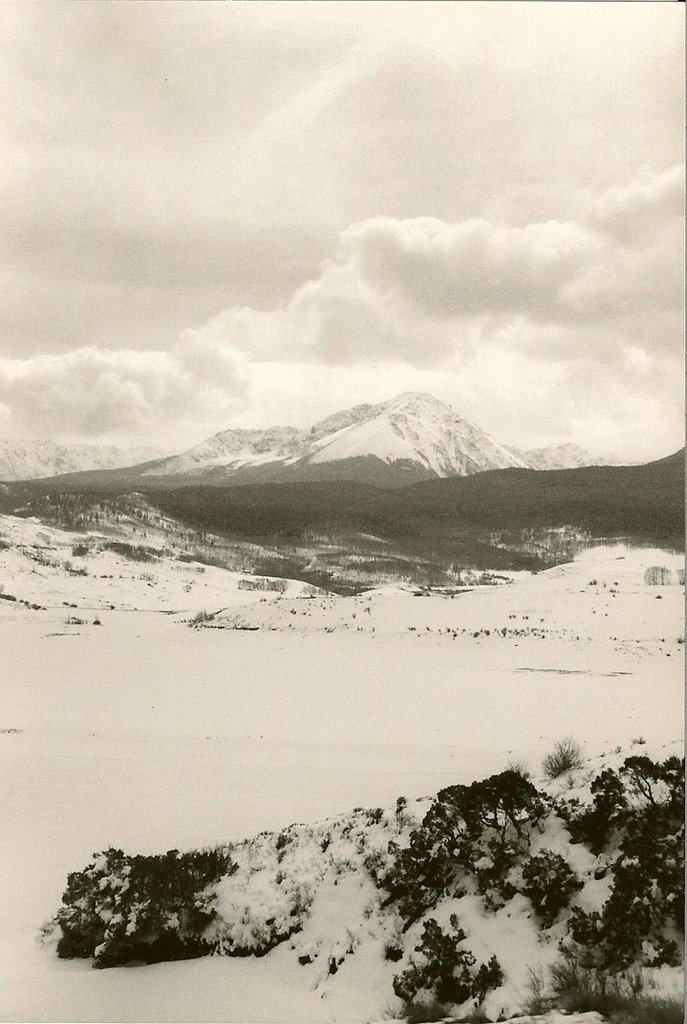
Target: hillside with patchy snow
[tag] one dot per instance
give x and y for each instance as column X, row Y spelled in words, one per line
column 130, row 569
column 561, row 456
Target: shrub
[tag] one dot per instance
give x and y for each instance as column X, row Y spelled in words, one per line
column 539, row 1002
column 80, row 550
column 122, row 908
column 520, row 767
column 393, row 952
column 445, row 969
column 201, row 617
column 417, row 1011
column 549, row 884
column 566, row 756
column 651, row 1010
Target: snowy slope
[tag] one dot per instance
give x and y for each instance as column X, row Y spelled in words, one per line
column 97, row 571
column 32, row 459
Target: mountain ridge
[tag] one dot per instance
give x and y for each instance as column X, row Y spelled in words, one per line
column 407, row 439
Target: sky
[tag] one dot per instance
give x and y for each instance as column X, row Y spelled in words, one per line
column 230, row 214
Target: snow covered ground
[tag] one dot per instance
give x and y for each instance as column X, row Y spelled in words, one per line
column 146, row 734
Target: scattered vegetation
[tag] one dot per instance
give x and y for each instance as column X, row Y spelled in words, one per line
column 134, row 552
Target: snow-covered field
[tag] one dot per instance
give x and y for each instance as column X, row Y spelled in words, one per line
column 145, row 734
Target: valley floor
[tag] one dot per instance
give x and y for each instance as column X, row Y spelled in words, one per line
column 146, row 734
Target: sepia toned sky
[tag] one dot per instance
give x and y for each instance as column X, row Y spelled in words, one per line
column 245, row 214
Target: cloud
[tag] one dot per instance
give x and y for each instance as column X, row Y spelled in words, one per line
column 637, row 211
column 541, row 324
column 625, row 252
column 98, row 394
column 472, row 268
column 162, row 162
column 426, row 291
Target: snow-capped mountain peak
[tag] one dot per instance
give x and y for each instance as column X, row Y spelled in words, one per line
column 414, row 428
column 412, row 433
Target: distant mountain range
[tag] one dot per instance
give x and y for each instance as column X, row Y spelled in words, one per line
column 31, row 459
column 411, row 438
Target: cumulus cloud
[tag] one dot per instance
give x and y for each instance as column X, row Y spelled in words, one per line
column 424, row 290
column 472, row 268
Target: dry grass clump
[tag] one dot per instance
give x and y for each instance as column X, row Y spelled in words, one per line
column 565, row 757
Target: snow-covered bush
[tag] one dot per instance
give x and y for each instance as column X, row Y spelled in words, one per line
column 641, row 806
column 481, row 828
column 368, row 876
column 444, row 968
column 123, row 908
column 549, row 884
